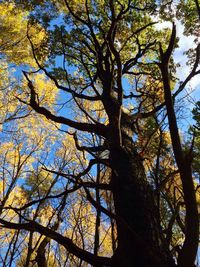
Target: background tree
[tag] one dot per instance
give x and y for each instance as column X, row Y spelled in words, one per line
column 93, row 169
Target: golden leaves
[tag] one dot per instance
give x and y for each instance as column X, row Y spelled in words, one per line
column 45, row 89
column 15, row 199
column 15, row 30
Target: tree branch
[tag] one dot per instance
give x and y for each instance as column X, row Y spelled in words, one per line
column 97, row 128
column 60, row 239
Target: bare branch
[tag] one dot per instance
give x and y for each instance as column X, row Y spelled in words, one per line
column 60, row 239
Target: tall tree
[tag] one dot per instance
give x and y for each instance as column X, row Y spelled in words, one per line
column 103, row 74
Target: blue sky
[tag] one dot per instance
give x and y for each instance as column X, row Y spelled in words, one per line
column 185, row 43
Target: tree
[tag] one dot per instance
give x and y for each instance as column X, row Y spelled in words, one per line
column 97, row 95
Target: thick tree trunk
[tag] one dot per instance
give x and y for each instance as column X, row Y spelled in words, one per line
column 140, row 241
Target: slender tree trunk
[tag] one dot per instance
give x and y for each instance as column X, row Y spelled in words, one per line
column 41, row 257
column 140, row 241
column 98, row 215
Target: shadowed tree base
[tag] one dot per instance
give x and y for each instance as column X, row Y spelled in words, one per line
column 140, row 239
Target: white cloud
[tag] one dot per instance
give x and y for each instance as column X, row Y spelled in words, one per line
column 185, row 43
column 162, row 25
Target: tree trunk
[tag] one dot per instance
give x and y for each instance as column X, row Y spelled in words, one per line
column 140, row 240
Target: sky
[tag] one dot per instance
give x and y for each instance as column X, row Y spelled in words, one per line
column 185, row 43
column 192, row 90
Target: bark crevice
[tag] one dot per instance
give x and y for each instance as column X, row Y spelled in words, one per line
column 135, row 205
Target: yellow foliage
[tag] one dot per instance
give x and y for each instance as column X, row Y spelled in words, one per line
column 6, row 237
column 96, row 111
column 8, row 102
column 78, row 6
column 68, row 151
column 14, row 42
column 16, row 199
column 45, row 214
column 105, row 240
column 45, row 89
column 154, row 88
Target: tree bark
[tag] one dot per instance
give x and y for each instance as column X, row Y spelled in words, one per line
column 140, row 240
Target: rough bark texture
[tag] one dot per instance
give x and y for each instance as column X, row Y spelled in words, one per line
column 140, row 241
